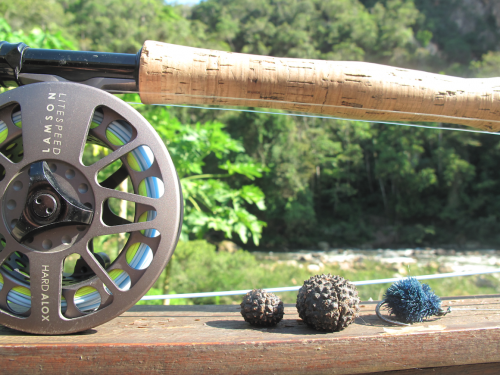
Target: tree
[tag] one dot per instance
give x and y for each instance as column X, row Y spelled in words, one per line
column 48, row 15
column 124, row 25
column 331, row 29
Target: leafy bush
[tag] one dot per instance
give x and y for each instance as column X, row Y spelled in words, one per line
column 215, row 172
column 36, row 38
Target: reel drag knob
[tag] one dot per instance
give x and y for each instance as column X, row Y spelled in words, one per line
column 83, row 237
column 48, row 205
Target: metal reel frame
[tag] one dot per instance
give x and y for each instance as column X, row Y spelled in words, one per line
column 69, row 108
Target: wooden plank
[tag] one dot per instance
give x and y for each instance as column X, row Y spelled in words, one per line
column 477, row 369
column 215, row 339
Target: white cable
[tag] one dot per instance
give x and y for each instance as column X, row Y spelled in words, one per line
column 322, row 117
column 320, row 106
column 296, row 288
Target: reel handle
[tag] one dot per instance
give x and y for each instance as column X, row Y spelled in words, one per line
column 172, row 74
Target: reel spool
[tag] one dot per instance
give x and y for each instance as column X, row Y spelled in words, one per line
column 62, row 211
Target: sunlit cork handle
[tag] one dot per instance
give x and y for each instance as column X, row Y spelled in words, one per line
column 172, row 74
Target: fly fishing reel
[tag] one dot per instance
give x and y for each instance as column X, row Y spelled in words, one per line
column 84, row 234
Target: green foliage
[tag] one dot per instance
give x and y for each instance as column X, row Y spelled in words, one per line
column 371, row 185
column 47, row 15
column 324, row 29
column 488, row 66
column 36, row 38
column 123, row 26
column 424, row 37
column 463, row 31
column 215, row 174
column 197, row 266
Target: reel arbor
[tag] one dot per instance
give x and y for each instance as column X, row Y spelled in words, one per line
column 63, row 208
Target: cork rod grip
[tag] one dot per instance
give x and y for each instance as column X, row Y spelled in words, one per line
column 171, row 74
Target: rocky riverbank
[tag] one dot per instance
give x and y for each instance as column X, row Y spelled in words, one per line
column 400, row 260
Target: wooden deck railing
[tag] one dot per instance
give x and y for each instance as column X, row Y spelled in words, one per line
column 215, row 339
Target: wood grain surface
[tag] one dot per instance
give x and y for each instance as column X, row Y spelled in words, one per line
column 216, row 340
column 476, row 369
column 172, row 74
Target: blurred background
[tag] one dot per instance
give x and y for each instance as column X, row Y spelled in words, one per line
column 271, row 200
